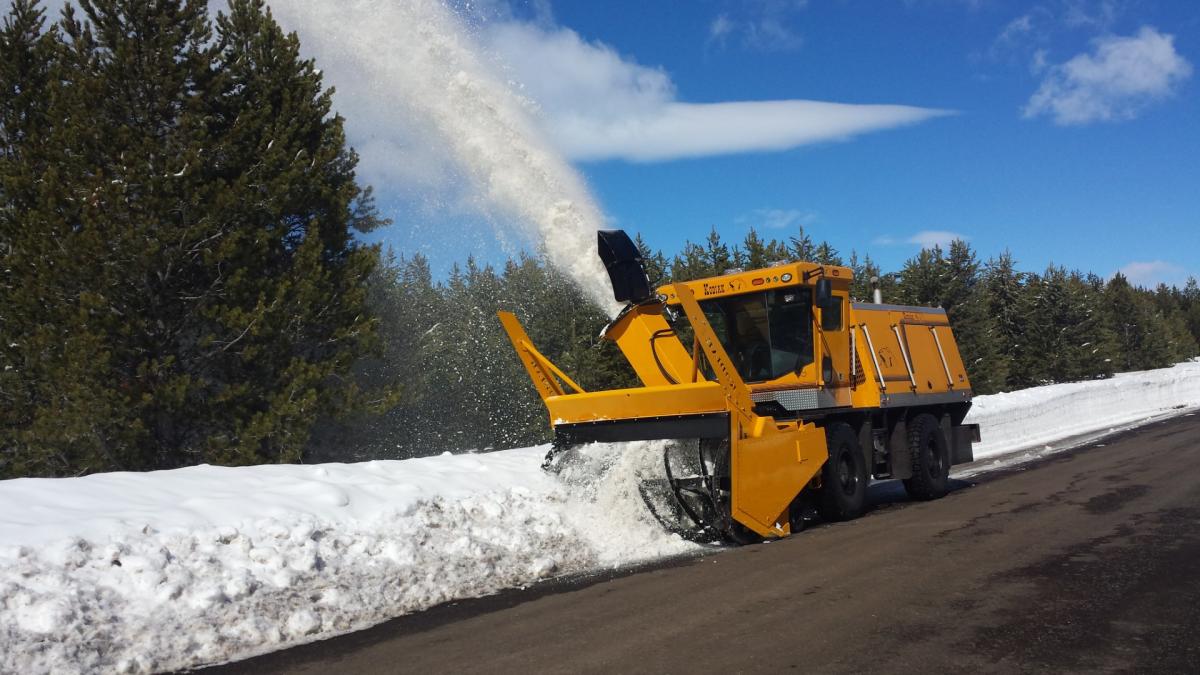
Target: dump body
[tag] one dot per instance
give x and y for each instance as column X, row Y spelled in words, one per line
column 773, row 362
column 905, row 356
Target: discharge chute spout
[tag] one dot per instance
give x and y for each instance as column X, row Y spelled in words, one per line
column 625, row 267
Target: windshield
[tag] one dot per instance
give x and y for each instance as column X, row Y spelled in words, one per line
column 767, row 334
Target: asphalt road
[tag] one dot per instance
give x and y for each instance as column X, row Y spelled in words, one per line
column 1088, row 561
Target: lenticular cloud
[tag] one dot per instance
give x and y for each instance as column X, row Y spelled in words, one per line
column 680, row 130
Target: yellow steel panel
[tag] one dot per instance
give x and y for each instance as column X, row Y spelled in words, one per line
column 914, row 327
column 865, row 389
column 735, row 389
column 927, row 364
column 676, row 399
column 770, row 470
column 543, row 379
column 770, row 466
column 781, row 276
column 958, row 371
column 651, row 346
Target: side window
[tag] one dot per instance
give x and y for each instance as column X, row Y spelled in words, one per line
column 831, row 317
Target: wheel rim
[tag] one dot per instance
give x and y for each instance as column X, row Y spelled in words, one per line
column 936, row 468
column 847, row 475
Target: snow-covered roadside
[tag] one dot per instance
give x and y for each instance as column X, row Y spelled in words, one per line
column 164, row 570
column 157, row 571
column 1032, row 418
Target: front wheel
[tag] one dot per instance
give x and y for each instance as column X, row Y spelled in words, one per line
column 930, row 458
column 844, row 477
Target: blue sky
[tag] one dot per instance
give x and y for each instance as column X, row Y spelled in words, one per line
column 1063, row 130
column 1099, row 191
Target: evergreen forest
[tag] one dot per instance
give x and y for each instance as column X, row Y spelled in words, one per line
column 182, row 280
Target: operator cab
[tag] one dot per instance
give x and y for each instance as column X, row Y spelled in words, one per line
column 784, row 329
column 768, row 334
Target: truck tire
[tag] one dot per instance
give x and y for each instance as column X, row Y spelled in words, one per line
column 930, row 458
column 844, row 477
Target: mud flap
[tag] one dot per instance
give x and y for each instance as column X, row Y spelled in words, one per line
column 961, row 438
column 769, row 471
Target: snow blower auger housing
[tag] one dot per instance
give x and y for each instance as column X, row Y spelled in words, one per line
column 789, row 399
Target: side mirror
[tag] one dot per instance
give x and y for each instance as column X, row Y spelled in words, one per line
column 825, row 293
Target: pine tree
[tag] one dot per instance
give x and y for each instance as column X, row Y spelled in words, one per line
column 28, row 302
column 755, row 252
column 717, row 254
column 1066, row 338
column 826, row 255
column 1029, row 368
column 690, row 263
column 1170, row 306
column 801, row 247
column 922, row 279
column 966, row 304
column 654, row 261
column 1181, row 345
column 1191, row 307
column 1002, row 293
column 186, row 286
column 1088, row 342
column 1140, row 335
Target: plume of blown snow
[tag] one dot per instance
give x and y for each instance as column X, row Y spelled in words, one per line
column 416, row 59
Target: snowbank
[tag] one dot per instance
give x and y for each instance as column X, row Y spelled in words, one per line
column 1033, row 417
column 156, row 571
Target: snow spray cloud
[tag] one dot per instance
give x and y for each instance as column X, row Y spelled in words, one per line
column 415, row 59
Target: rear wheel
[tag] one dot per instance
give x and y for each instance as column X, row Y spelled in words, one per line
column 844, row 477
column 930, row 458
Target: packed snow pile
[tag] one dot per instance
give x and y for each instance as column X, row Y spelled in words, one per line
column 1034, row 417
column 157, row 571
column 137, row 572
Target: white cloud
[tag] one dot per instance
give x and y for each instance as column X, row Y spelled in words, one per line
column 1037, row 62
column 1099, row 14
column 599, row 105
column 1016, row 29
column 924, row 239
column 1151, row 273
column 720, row 28
column 1116, row 81
column 971, row 5
column 770, row 33
column 567, row 75
column 763, row 25
column 931, row 238
column 779, row 219
column 594, row 103
column 682, row 130
column 1025, row 33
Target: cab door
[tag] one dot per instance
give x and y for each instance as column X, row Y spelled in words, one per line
column 833, row 346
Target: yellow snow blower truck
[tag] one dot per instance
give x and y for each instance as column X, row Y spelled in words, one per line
column 781, row 398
